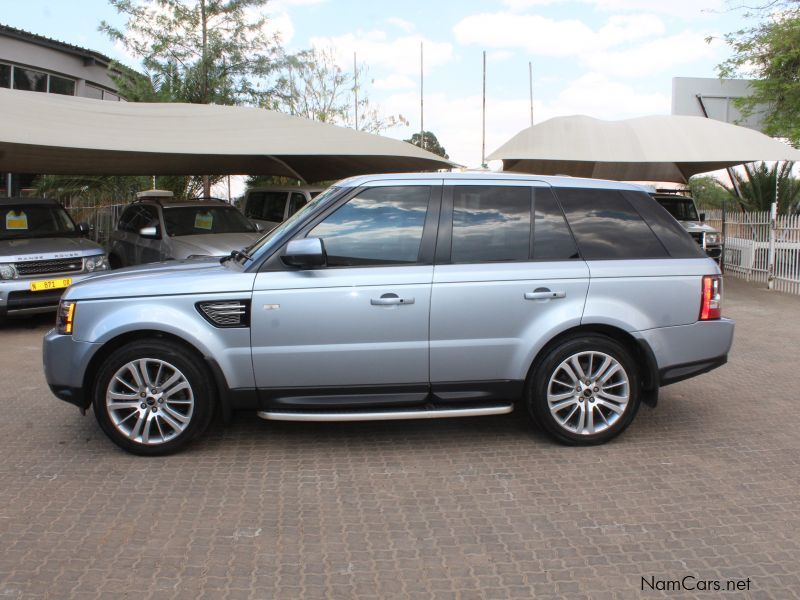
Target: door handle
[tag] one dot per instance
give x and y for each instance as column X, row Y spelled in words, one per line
column 390, row 300
column 544, row 295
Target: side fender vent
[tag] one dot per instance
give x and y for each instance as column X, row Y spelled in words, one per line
column 226, row 313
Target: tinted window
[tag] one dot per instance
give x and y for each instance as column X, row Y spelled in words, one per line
column 551, row 237
column 681, row 208
column 606, row 226
column 675, row 238
column 5, row 76
column 59, row 85
column 266, row 206
column 200, row 220
column 491, row 223
column 26, row 79
column 296, row 202
column 381, row 225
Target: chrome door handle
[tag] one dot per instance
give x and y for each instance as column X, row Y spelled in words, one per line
column 390, row 300
column 544, row 295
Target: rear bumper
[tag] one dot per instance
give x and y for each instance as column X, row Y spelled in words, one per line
column 686, row 351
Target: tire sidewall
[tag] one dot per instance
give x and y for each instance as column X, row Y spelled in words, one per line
column 536, row 396
column 183, row 360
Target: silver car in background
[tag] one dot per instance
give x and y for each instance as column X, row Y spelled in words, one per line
column 405, row 297
column 270, row 205
column 42, row 252
column 158, row 228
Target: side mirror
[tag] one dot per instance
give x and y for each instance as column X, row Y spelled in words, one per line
column 84, row 228
column 702, row 217
column 150, row 232
column 259, row 227
column 305, row 253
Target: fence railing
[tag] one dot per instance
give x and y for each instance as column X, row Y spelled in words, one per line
column 761, row 247
column 102, row 219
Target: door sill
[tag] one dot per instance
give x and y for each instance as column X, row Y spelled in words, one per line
column 394, row 414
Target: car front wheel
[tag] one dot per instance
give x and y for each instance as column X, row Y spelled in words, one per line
column 151, row 398
column 585, row 391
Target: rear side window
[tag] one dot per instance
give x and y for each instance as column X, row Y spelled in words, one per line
column 491, row 223
column 675, row 238
column 607, row 227
column 551, row 237
column 266, row 206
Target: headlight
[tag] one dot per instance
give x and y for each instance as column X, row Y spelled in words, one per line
column 95, row 263
column 8, row 271
column 65, row 317
column 712, row 239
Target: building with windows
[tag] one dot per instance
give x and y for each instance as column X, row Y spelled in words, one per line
column 40, row 64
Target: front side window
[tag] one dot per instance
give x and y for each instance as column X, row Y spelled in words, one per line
column 265, row 206
column 200, row 220
column 381, row 225
column 28, row 79
column 491, row 223
column 25, row 221
column 138, row 216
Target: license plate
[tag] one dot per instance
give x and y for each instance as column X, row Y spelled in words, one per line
column 50, row 284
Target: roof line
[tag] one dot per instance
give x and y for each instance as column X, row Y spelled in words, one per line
column 85, row 53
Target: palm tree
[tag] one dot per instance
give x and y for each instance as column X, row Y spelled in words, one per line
column 757, row 186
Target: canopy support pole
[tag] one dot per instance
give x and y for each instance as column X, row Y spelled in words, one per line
column 295, row 173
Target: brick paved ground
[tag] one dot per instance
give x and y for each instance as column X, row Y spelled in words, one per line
column 706, row 485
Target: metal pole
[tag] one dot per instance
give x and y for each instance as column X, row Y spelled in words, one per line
column 421, row 100
column 8, row 185
column 530, row 84
column 773, row 216
column 355, row 88
column 483, row 116
column 724, row 235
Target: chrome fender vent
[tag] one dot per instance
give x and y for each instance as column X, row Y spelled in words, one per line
column 226, row 313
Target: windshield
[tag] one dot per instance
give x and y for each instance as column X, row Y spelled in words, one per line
column 300, row 214
column 34, row 220
column 200, row 220
column 681, row 208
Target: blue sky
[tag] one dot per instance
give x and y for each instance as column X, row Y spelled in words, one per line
column 606, row 58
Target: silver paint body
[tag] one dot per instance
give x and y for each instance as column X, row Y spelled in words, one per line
column 320, row 328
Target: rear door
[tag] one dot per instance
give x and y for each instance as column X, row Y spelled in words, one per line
column 507, row 276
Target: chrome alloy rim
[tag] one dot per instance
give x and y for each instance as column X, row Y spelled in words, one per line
column 588, row 392
column 150, row 401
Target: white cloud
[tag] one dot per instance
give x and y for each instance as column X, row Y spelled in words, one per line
column 398, row 55
column 395, row 81
column 278, row 20
column 685, row 9
column 406, row 26
column 499, row 55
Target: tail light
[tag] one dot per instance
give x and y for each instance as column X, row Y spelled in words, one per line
column 711, row 302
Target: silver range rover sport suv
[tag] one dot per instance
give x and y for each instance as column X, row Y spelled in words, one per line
column 404, row 297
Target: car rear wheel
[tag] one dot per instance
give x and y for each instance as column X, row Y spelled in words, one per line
column 152, row 398
column 585, row 391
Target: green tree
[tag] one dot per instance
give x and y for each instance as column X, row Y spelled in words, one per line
column 708, row 192
column 769, row 53
column 100, row 190
column 430, row 143
column 757, row 183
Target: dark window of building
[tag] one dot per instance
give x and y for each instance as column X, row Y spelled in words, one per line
column 296, row 202
column 5, row 76
column 28, row 79
column 60, row 85
column 265, row 206
column 551, row 237
column 93, row 92
column 491, row 223
column 606, row 226
column 110, row 96
column 675, row 238
column 381, row 225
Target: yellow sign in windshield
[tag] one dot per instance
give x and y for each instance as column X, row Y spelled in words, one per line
column 204, row 220
column 16, row 220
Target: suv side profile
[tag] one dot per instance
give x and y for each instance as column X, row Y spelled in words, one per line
column 403, row 297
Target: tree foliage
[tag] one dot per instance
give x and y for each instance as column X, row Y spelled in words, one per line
column 757, row 183
column 430, row 143
column 769, row 52
column 708, row 192
column 113, row 189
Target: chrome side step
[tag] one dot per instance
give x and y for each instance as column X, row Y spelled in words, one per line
column 385, row 415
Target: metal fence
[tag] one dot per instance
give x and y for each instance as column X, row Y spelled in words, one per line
column 761, row 247
column 102, row 219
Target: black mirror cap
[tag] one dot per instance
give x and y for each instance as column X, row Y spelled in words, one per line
column 305, row 253
column 84, row 228
column 702, row 216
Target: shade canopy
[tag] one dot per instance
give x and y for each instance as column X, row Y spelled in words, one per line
column 48, row 133
column 654, row 148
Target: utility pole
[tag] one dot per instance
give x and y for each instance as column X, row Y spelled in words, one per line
column 421, row 100
column 355, row 88
column 483, row 116
column 530, row 85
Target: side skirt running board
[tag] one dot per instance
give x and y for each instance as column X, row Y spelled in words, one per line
column 385, row 415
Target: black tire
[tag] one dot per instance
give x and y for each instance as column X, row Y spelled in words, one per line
column 114, row 262
column 200, row 391
column 539, row 381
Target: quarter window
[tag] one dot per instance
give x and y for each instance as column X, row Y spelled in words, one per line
column 491, row 223
column 381, row 225
column 607, row 227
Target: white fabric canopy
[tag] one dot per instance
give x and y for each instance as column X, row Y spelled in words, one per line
column 48, row 133
column 654, row 148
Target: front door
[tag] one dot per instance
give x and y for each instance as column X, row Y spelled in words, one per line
column 353, row 332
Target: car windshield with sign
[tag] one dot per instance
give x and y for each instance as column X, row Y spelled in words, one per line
column 201, row 220
column 35, row 220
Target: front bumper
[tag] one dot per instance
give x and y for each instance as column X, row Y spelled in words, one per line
column 16, row 297
column 65, row 363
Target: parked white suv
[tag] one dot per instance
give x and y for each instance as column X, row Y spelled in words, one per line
column 268, row 206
